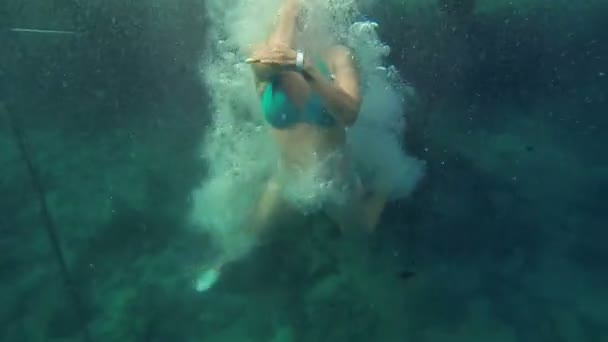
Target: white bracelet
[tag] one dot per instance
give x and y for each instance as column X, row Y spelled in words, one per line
column 299, row 60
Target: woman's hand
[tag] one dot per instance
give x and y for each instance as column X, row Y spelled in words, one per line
column 270, row 60
column 275, row 55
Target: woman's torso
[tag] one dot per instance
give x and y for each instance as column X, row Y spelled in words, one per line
column 304, row 142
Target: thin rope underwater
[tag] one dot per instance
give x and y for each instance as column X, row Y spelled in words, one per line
column 49, row 224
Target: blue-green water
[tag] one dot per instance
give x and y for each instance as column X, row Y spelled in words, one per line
column 503, row 240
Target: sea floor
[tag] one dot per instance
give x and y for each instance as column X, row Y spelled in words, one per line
column 503, row 241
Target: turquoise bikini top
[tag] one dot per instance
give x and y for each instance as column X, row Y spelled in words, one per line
column 281, row 113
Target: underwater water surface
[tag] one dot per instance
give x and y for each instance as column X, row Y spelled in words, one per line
column 503, row 238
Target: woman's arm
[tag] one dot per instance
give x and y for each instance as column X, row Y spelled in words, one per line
column 283, row 35
column 342, row 97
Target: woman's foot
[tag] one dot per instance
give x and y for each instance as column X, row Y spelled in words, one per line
column 207, row 278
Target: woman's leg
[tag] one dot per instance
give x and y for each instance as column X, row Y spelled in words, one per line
column 269, row 210
column 373, row 206
column 360, row 213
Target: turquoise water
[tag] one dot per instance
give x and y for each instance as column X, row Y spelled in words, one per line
column 503, row 240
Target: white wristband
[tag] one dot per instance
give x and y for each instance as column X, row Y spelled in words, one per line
column 300, row 60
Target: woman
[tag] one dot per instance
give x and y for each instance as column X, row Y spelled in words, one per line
column 309, row 99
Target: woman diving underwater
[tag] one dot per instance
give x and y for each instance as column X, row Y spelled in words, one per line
column 308, row 95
